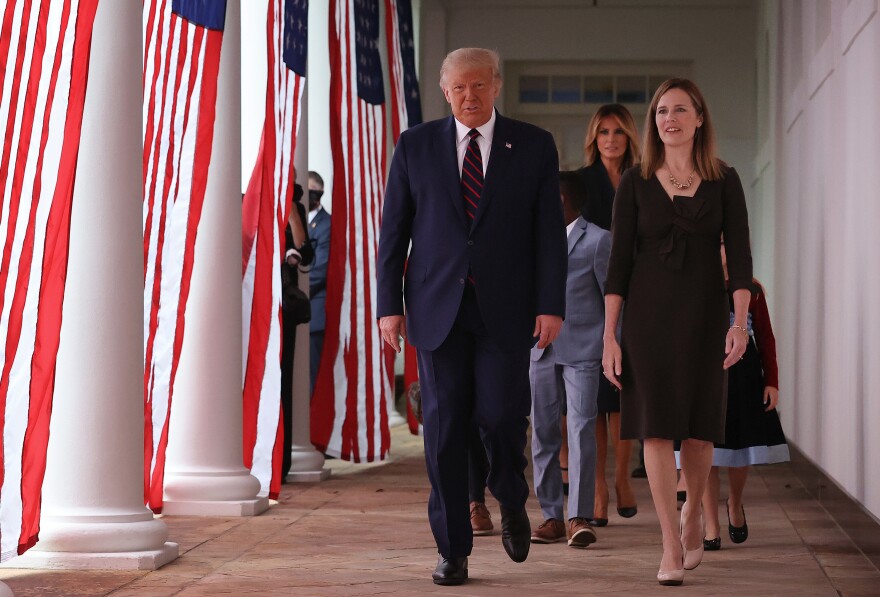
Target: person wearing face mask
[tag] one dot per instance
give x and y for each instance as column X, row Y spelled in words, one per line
column 677, row 338
column 298, row 253
column 319, row 235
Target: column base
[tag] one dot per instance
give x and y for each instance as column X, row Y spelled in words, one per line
column 78, row 560
column 395, row 419
column 253, row 507
column 306, row 465
column 307, row 476
column 213, row 493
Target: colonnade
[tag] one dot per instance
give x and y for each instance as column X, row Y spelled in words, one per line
column 93, row 512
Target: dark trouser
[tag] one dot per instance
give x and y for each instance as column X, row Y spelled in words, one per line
column 478, row 466
column 470, row 378
column 288, row 345
column 316, row 345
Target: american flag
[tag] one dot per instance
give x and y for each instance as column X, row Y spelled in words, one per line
column 182, row 40
column 44, row 54
column 406, row 111
column 349, row 416
column 265, row 209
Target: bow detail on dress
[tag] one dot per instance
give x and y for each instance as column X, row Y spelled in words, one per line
column 672, row 246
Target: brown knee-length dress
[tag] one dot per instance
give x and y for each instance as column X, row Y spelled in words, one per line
column 666, row 264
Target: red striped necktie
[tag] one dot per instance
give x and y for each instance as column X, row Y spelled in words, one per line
column 472, row 175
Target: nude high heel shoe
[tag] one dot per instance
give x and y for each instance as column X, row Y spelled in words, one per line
column 692, row 558
column 670, row 578
column 673, row 578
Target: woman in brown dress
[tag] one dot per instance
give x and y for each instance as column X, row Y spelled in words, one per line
column 677, row 341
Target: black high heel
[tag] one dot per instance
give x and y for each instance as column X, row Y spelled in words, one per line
column 712, row 544
column 737, row 534
column 628, row 511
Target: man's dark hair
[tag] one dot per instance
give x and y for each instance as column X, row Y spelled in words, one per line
column 572, row 188
column 316, row 177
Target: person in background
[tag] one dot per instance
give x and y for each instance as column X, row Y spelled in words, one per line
column 610, row 147
column 319, row 235
column 677, row 338
column 472, row 220
column 298, row 253
column 567, row 372
column 753, row 433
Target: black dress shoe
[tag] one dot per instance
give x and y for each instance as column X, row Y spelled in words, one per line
column 712, row 544
column 450, row 571
column 737, row 534
column 628, row 511
column 598, row 522
column 516, row 534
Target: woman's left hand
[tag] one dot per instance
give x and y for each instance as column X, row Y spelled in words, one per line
column 734, row 346
column 771, row 397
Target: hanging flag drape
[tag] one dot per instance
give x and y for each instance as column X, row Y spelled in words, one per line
column 182, row 40
column 406, row 111
column 348, row 416
column 265, row 209
column 44, row 55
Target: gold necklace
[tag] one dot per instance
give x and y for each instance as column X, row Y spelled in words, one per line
column 681, row 186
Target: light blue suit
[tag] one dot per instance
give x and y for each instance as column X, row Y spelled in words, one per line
column 569, row 370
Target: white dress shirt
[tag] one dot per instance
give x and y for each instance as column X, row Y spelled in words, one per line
column 570, row 227
column 484, row 141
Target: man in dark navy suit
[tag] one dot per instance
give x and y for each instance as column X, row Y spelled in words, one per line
column 473, row 201
column 319, row 234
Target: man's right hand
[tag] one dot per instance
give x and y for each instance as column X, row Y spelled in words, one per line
column 393, row 327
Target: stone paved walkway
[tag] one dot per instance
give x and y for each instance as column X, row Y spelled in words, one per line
column 365, row 532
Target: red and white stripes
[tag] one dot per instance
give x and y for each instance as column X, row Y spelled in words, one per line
column 398, row 31
column 181, row 64
column 44, row 53
column 349, row 416
column 265, row 211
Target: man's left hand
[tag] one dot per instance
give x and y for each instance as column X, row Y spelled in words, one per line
column 546, row 329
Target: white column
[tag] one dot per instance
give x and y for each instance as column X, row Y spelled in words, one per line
column 93, row 513
column 306, row 463
column 5, row 591
column 204, row 474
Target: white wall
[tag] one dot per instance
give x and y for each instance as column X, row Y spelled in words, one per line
column 819, row 196
column 718, row 37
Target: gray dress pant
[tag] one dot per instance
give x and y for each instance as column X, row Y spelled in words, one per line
column 577, row 386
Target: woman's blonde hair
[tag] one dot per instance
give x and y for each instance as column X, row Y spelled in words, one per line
column 627, row 123
column 654, row 152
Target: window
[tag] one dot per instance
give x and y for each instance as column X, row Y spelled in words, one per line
column 570, row 88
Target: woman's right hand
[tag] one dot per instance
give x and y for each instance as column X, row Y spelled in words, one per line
column 612, row 362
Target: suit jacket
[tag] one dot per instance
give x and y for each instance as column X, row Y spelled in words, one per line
column 600, row 194
column 319, row 234
column 580, row 339
column 518, row 225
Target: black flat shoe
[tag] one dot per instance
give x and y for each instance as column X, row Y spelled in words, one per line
column 450, row 571
column 628, row 511
column 516, row 533
column 738, row 534
column 598, row 522
column 712, row 544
